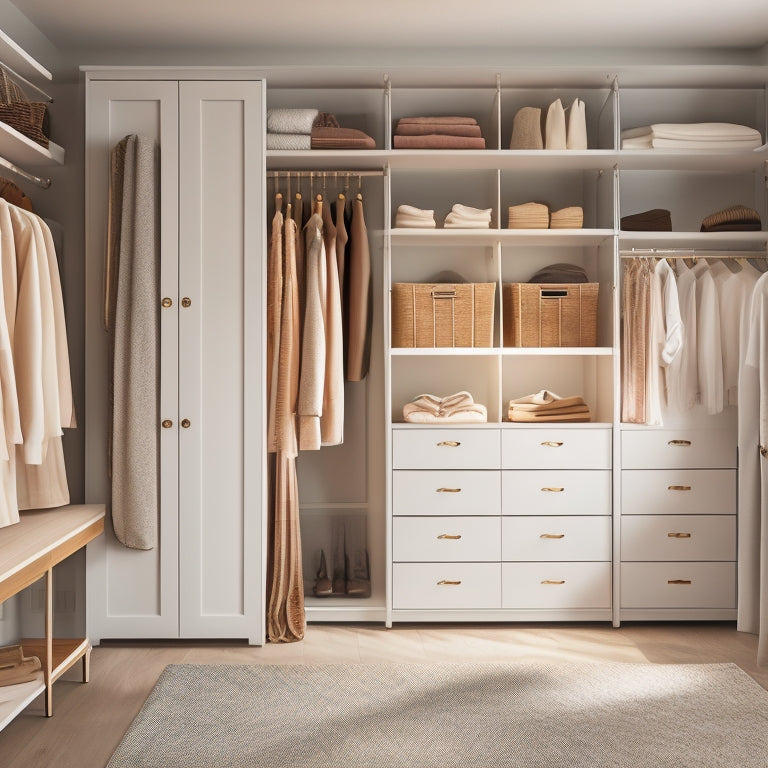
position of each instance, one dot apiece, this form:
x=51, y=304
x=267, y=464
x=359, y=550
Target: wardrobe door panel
x=220, y=371
x=131, y=593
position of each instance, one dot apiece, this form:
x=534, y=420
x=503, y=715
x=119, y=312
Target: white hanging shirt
x=683, y=371
x=709, y=351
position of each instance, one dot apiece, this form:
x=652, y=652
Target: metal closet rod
x=322, y=174
x=687, y=253
x=44, y=183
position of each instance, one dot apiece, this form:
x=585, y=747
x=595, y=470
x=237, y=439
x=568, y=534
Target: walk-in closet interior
x=407, y=340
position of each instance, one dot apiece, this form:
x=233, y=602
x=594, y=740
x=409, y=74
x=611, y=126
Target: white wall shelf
x=15, y=57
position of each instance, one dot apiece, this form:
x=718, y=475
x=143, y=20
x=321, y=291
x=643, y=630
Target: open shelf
x=15, y=57
x=15, y=698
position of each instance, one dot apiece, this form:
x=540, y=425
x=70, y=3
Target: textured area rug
x=450, y=716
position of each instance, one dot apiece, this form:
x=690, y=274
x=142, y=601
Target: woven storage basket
x=550, y=314
x=30, y=118
x=442, y=314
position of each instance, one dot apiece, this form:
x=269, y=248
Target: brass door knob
x=167, y=302
x=186, y=423
x=167, y=423
x=186, y=302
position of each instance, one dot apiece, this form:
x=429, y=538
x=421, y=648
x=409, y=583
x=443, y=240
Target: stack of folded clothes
x=410, y=216
x=735, y=219
x=465, y=217
x=529, y=216
x=571, y=217
x=691, y=136
x=430, y=409
x=655, y=220
x=438, y=133
x=546, y=406
x=328, y=134
x=311, y=129
x=560, y=273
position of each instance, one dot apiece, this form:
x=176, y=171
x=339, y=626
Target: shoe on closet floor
x=358, y=575
x=322, y=583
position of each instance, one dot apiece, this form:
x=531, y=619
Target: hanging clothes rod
x=322, y=174
x=16, y=76
x=687, y=253
x=44, y=183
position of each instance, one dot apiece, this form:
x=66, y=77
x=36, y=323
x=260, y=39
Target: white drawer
x=555, y=585
x=446, y=586
x=678, y=585
x=555, y=448
x=682, y=448
x=450, y=539
x=442, y=492
x=678, y=492
x=556, y=492
x=446, y=448
x=555, y=538
x=678, y=537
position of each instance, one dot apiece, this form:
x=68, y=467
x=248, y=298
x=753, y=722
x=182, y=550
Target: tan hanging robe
x=360, y=300
x=635, y=329
x=274, y=303
x=342, y=240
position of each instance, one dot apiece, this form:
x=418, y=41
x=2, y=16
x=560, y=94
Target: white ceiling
x=426, y=24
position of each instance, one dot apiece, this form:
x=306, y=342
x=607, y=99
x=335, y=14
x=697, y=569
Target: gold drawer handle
x=552, y=536
x=679, y=535
x=167, y=302
x=551, y=443
x=679, y=581
x=678, y=487
x=553, y=490
x=448, y=444
x=684, y=443
x=448, y=490
x=452, y=536
x=553, y=581
x=446, y=582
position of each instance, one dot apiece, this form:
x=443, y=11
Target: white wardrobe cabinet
x=204, y=579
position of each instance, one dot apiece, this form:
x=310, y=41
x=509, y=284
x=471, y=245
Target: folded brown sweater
x=655, y=220
x=434, y=141
x=736, y=218
x=340, y=138
x=444, y=129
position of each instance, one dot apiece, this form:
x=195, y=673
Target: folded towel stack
x=655, y=220
x=465, y=217
x=529, y=216
x=699, y=136
x=312, y=129
x=431, y=409
x=571, y=217
x=560, y=273
x=546, y=406
x=737, y=218
x=438, y=133
x=410, y=216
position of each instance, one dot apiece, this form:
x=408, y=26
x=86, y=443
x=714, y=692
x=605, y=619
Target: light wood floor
x=89, y=720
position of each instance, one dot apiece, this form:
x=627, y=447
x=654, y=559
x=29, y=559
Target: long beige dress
x=360, y=301
x=634, y=338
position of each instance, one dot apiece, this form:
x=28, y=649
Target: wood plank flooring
x=89, y=719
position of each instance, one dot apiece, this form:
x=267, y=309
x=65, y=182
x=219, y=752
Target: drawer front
x=678, y=448
x=446, y=586
x=678, y=585
x=678, y=492
x=678, y=537
x=561, y=538
x=555, y=585
x=440, y=492
x=556, y=492
x=556, y=448
x=449, y=539
x=446, y=448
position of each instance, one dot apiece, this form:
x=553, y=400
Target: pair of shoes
x=358, y=582
x=538, y=216
x=527, y=127
x=322, y=586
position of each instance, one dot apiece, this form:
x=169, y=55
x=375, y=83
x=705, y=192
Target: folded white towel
x=476, y=413
x=411, y=210
x=638, y=142
x=414, y=222
x=718, y=144
x=462, y=223
x=291, y=120
x=703, y=131
x=468, y=212
x=633, y=133
x=289, y=141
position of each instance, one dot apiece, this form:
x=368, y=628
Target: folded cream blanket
x=476, y=415
x=544, y=399
x=743, y=144
x=291, y=120
x=703, y=131
x=289, y=141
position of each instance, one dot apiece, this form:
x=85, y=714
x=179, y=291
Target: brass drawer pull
x=678, y=487
x=448, y=490
x=679, y=581
x=551, y=443
x=167, y=302
x=684, y=443
x=186, y=302
x=453, y=536
x=446, y=582
x=553, y=581
x=448, y=444
x=166, y=423
x=186, y=423
x=552, y=536
x=679, y=535
x=553, y=490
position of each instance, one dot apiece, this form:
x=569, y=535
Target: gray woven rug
x=450, y=716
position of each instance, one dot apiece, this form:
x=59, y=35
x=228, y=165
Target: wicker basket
x=30, y=118
x=442, y=314
x=550, y=315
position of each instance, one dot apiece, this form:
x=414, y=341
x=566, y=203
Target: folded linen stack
x=691, y=136
x=546, y=406
x=571, y=217
x=465, y=217
x=438, y=133
x=290, y=128
x=734, y=219
x=410, y=216
x=17, y=668
x=538, y=216
x=431, y=409
x=328, y=134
